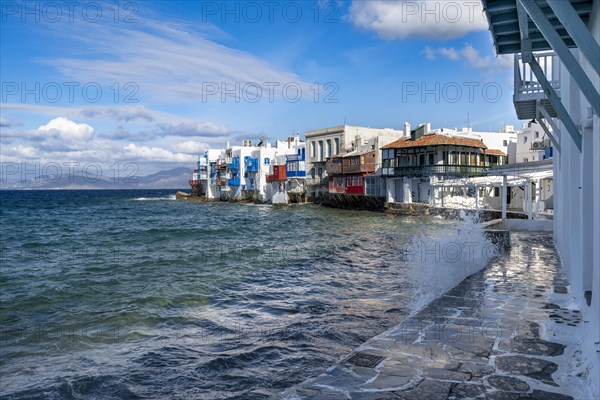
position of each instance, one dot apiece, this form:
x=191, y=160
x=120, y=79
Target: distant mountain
x=176, y=178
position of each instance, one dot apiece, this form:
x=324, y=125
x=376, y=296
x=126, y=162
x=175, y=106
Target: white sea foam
x=170, y=197
x=438, y=264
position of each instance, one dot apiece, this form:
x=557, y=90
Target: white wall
x=577, y=204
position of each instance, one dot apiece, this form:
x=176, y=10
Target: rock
x=508, y=383
x=532, y=367
x=182, y=195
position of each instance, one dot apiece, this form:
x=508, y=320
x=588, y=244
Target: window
x=430, y=158
x=504, y=143
x=337, y=145
x=496, y=192
x=525, y=159
x=328, y=148
x=524, y=139
x=313, y=149
x=321, y=150
x=267, y=161
x=537, y=134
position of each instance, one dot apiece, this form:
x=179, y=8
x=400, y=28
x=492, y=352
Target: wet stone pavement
x=480, y=340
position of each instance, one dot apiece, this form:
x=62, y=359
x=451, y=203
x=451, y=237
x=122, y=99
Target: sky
x=153, y=83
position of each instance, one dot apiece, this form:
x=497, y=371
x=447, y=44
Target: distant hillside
x=176, y=178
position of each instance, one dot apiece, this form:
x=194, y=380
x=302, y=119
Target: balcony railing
x=357, y=168
x=528, y=90
x=295, y=157
x=296, y=174
x=426, y=170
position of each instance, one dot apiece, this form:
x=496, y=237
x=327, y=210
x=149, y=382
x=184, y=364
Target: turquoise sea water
x=130, y=294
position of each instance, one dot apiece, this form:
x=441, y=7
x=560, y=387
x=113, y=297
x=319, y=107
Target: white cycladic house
x=533, y=144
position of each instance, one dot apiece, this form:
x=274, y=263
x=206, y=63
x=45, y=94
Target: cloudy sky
x=154, y=82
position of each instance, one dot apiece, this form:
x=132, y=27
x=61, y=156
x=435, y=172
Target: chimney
x=427, y=127
x=406, y=129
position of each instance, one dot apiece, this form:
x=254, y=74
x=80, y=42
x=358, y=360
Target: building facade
x=323, y=144
x=410, y=163
x=533, y=144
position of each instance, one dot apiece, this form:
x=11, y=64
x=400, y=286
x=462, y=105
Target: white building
x=322, y=144
x=242, y=172
x=504, y=140
x=557, y=81
x=533, y=143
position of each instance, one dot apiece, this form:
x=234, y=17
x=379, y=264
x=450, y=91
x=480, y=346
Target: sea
x=116, y=294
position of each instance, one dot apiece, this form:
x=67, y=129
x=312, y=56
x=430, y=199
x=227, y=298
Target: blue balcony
x=235, y=163
x=251, y=164
x=296, y=174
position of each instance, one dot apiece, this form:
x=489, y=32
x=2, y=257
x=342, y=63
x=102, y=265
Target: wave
x=439, y=264
x=170, y=197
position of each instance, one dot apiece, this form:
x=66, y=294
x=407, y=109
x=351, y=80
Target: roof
x=435, y=140
x=504, y=24
x=495, y=152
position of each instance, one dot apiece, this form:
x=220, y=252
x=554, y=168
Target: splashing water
x=441, y=262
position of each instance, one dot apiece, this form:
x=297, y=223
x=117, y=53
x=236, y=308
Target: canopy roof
x=504, y=24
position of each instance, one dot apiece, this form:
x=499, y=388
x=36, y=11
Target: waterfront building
x=287, y=173
x=242, y=172
x=323, y=144
x=202, y=182
x=410, y=163
x=556, y=82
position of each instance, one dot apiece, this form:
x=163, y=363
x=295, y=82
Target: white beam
x=503, y=194
x=583, y=81
x=538, y=187
x=580, y=34
x=528, y=201
x=560, y=109
x=555, y=134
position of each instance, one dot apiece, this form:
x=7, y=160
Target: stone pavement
x=484, y=339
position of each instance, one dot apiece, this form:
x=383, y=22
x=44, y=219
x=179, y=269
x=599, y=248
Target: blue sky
x=154, y=82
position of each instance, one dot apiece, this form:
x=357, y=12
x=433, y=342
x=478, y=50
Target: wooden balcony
x=360, y=168
x=334, y=166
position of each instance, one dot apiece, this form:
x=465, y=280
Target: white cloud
x=449, y=52
x=472, y=58
x=65, y=129
x=156, y=154
x=168, y=63
x=429, y=54
x=402, y=19
x=190, y=147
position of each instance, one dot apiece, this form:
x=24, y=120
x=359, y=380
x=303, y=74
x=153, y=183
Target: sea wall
x=413, y=209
